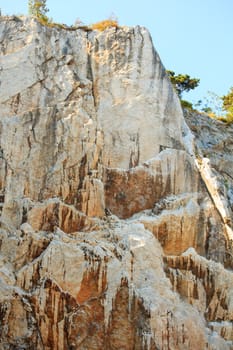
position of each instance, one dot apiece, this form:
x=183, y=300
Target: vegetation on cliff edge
x=220, y=108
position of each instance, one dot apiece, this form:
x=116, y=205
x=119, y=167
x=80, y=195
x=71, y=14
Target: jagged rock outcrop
x=214, y=147
x=115, y=229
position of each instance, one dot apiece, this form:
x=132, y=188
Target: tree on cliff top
x=38, y=9
x=182, y=82
x=228, y=105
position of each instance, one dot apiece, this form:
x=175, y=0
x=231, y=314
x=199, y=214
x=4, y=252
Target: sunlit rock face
x=116, y=226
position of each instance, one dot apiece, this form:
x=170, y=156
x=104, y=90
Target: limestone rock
x=214, y=147
x=116, y=218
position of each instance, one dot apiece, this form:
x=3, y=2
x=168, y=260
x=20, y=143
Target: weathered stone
x=104, y=195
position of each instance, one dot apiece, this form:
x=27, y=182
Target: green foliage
x=38, y=9
x=182, y=82
x=228, y=100
x=227, y=119
x=219, y=108
x=186, y=104
x=211, y=104
x=230, y=118
x=228, y=105
x=207, y=110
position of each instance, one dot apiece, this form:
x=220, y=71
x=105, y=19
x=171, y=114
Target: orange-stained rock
x=54, y=214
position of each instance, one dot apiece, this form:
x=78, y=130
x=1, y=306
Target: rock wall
x=112, y=234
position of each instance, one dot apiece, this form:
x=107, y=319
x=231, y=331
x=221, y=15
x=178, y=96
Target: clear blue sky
x=191, y=36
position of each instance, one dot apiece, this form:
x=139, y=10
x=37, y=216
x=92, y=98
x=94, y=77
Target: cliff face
x=116, y=227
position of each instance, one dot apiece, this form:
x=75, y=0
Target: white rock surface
x=101, y=192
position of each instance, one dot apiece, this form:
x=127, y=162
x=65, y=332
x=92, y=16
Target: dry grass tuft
x=102, y=25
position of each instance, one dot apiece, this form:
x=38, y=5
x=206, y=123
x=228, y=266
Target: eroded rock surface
x=116, y=219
